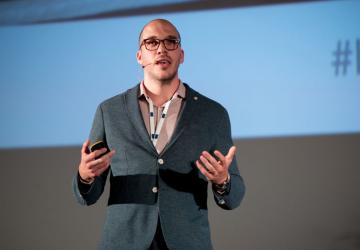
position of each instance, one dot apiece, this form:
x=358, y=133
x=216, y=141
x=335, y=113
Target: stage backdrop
x=288, y=74
x=282, y=70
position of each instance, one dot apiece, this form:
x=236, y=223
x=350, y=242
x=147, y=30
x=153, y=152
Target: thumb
x=230, y=155
x=84, y=149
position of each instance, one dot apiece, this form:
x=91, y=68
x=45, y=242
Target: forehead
x=159, y=29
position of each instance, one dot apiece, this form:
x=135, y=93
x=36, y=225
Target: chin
x=166, y=77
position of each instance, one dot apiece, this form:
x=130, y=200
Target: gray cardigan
x=145, y=184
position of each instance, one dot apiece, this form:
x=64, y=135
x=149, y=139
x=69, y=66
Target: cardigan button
x=160, y=161
x=155, y=190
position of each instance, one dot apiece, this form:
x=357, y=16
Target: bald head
x=159, y=22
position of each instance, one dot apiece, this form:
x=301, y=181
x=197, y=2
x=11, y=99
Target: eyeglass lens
x=153, y=44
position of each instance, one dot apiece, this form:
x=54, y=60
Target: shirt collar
x=180, y=92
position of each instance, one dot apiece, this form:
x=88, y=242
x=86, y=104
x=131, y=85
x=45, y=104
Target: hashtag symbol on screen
x=342, y=57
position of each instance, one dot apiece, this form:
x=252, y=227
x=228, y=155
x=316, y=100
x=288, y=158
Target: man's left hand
x=216, y=171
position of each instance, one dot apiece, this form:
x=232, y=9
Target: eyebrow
x=168, y=37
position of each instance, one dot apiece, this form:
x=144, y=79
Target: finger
x=84, y=148
x=89, y=157
x=106, y=159
x=99, y=169
x=203, y=170
x=220, y=156
x=100, y=152
x=110, y=154
x=209, y=157
x=102, y=163
x=230, y=155
x=93, y=155
x=102, y=169
x=215, y=164
x=210, y=168
x=95, y=163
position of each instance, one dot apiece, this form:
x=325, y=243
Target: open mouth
x=163, y=62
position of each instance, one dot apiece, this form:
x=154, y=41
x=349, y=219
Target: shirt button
x=160, y=161
x=221, y=202
x=154, y=189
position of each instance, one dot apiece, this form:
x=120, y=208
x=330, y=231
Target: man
x=170, y=141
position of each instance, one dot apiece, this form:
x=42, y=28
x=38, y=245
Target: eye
x=152, y=42
x=171, y=41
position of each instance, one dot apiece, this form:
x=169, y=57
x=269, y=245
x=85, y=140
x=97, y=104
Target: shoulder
x=118, y=100
x=205, y=103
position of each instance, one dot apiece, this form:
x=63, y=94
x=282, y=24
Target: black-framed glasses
x=153, y=43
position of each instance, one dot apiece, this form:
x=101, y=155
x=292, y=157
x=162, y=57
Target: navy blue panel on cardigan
x=136, y=189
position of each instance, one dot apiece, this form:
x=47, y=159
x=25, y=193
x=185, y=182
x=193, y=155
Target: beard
x=165, y=78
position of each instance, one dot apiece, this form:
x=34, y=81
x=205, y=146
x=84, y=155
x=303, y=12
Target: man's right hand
x=91, y=166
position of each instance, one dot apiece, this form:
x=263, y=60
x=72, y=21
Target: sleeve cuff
x=224, y=188
x=83, y=186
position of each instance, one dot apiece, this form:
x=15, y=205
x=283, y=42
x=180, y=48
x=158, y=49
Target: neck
x=161, y=92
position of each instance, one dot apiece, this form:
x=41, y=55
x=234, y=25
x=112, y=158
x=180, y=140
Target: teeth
x=163, y=62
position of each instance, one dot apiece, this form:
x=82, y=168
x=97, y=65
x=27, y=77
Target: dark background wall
x=302, y=193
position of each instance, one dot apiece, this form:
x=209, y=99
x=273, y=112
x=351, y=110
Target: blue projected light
x=280, y=70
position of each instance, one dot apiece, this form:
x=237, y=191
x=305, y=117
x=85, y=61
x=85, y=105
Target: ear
x=139, y=57
x=182, y=56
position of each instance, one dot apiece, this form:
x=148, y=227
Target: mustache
x=158, y=60
x=163, y=58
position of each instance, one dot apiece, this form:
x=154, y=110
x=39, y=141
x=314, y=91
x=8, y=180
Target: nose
x=161, y=48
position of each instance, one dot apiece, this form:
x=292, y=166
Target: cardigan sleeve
x=89, y=194
x=235, y=192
